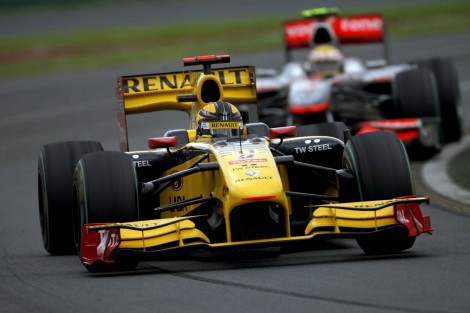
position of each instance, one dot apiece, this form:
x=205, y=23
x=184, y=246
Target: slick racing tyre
x=449, y=97
x=105, y=191
x=380, y=166
x=415, y=94
x=56, y=164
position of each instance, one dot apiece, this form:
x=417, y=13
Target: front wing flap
x=102, y=242
x=371, y=216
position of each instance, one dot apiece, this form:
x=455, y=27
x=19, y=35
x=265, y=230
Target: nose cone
x=248, y=172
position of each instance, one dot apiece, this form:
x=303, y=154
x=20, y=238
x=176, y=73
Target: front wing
x=152, y=239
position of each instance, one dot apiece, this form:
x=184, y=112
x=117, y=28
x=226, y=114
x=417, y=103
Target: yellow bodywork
x=369, y=215
x=247, y=173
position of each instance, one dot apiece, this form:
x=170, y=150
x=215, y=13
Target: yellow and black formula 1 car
x=225, y=183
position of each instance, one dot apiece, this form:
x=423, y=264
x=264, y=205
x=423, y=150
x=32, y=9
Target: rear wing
x=336, y=30
x=186, y=91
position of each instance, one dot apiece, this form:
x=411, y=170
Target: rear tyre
x=415, y=94
x=379, y=163
x=447, y=82
x=56, y=164
x=105, y=191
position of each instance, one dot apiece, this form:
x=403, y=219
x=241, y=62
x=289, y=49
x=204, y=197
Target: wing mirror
x=283, y=132
x=161, y=142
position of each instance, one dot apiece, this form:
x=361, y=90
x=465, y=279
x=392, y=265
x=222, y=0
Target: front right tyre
x=105, y=191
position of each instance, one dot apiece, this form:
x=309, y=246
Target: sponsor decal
x=362, y=24
x=299, y=29
x=138, y=84
x=251, y=166
x=142, y=163
x=241, y=180
x=364, y=28
x=176, y=199
x=313, y=148
x=248, y=161
x=177, y=184
x=221, y=125
x=252, y=173
x=298, y=33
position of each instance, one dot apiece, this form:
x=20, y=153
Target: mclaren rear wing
x=186, y=91
x=337, y=30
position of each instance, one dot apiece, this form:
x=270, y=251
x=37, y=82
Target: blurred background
x=45, y=36
x=59, y=58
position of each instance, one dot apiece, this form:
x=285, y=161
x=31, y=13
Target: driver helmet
x=219, y=119
x=326, y=60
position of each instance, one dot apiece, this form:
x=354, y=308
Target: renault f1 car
x=253, y=188
x=419, y=101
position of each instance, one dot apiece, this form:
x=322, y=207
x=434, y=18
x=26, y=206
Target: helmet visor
x=327, y=68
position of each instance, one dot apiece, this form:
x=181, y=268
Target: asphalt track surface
x=431, y=277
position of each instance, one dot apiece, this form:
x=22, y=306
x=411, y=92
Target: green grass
x=83, y=49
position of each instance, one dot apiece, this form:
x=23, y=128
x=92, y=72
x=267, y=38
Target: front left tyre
x=381, y=170
x=56, y=165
